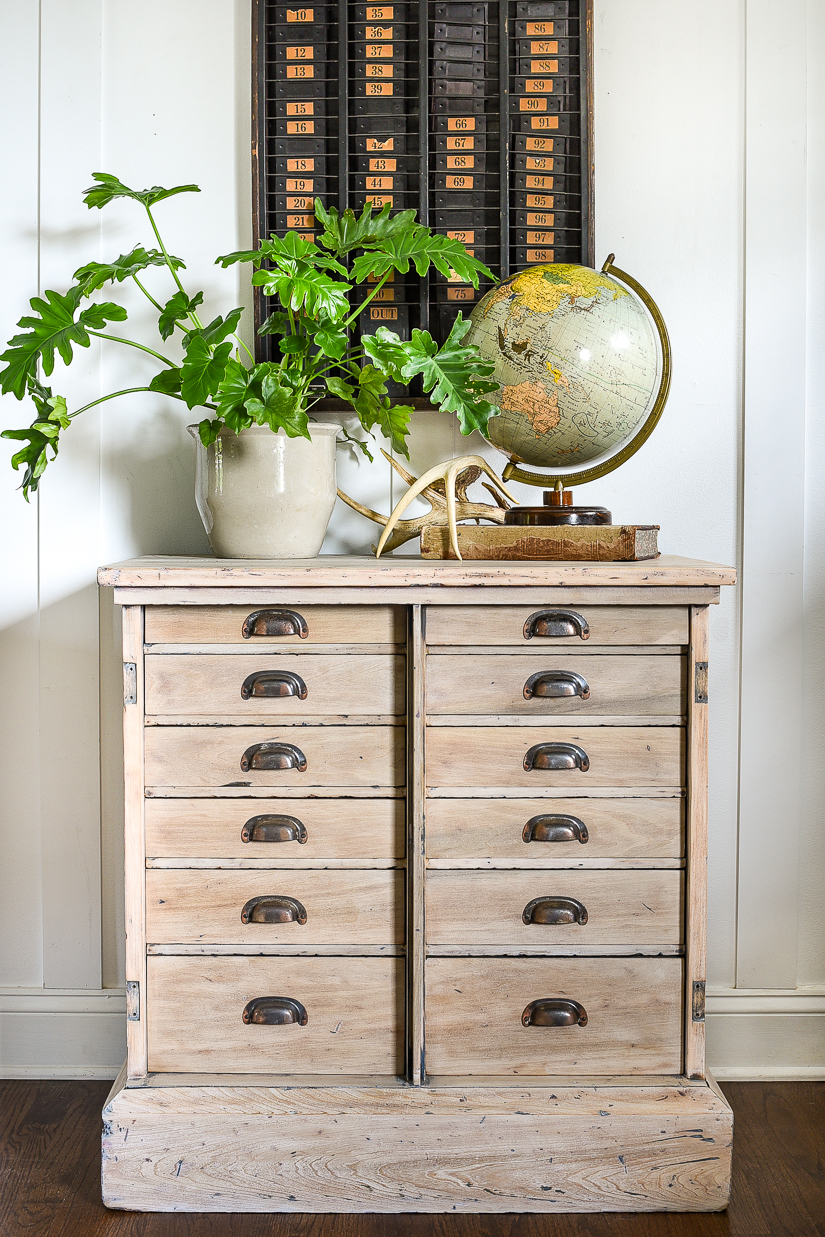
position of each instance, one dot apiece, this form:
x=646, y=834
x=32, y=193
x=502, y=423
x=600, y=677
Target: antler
x=443, y=487
x=446, y=472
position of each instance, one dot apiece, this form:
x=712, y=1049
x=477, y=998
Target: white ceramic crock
x=264, y=495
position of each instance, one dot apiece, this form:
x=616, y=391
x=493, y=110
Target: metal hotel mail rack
x=478, y=116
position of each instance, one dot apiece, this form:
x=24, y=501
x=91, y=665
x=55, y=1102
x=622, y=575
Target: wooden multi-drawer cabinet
x=415, y=888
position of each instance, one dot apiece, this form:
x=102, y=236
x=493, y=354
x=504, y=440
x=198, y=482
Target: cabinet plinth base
x=476, y=1148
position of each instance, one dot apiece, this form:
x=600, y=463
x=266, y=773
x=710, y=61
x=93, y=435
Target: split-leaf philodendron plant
x=316, y=288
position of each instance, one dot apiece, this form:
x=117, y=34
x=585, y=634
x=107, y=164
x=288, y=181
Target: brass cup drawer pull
x=274, y=623
x=553, y=911
x=269, y=683
x=554, y=1012
x=555, y=756
x=556, y=828
x=275, y=1011
x=556, y=683
x=270, y=828
x=274, y=755
x=274, y=908
x=556, y=625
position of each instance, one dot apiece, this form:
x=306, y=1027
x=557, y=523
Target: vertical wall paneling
x=811, y=953
x=70, y=135
x=20, y=925
x=771, y=586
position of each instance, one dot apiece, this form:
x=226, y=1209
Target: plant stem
x=148, y=294
x=118, y=339
x=193, y=316
x=243, y=345
x=132, y=391
x=361, y=308
x=103, y=398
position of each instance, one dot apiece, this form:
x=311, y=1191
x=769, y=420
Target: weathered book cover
x=599, y=543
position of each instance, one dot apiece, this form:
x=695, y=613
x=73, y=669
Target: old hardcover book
x=600, y=543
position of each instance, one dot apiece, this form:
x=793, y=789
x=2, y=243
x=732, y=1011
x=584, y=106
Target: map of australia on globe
x=576, y=361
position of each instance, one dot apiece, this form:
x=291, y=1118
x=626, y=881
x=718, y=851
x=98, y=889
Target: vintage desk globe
x=583, y=362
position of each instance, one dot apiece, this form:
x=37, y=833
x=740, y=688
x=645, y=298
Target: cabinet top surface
x=345, y=571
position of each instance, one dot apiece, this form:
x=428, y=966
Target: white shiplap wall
x=710, y=189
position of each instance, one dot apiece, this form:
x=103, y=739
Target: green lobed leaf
x=455, y=376
x=387, y=350
x=339, y=388
x=276, y=324
x=176, y=309
x=237, y=385
x=208, y=431
x=57, y=327
x=423, y=248
x=289, y=247
x=95, y=274
x=300, y=286
x=216, y=331
x=202, y=371
x=294, y=345
x=278, y=408
x=344, y=232
x=41, y=434
x=167, y=382
x=331, y=341
x=108, y=188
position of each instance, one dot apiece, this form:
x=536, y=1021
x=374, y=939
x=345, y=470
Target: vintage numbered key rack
x=476, y=115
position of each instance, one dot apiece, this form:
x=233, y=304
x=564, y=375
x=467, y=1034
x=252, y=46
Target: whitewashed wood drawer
x=548, y=684
x=556, y=625
x=285, y=685
x=295, y=907
x=542, y=832
x=478, y=1008
x=297, y=757
x=544, y=909
x=547, y=756
x=354, y=1012
x=275, y=623
x=273, y=831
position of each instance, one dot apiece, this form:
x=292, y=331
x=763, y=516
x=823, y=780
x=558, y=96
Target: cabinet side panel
x=135, y=897
x=415, y=849
x=697, y=844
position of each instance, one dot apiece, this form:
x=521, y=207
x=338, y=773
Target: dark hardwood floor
x=50, y=1168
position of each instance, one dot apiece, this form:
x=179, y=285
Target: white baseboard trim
x=766, y=1035
x=753, y=1035
x=62, y=1033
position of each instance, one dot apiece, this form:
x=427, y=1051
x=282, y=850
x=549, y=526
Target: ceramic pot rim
x=316, y=430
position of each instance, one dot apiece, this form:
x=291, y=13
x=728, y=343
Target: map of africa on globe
x=576, y=360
